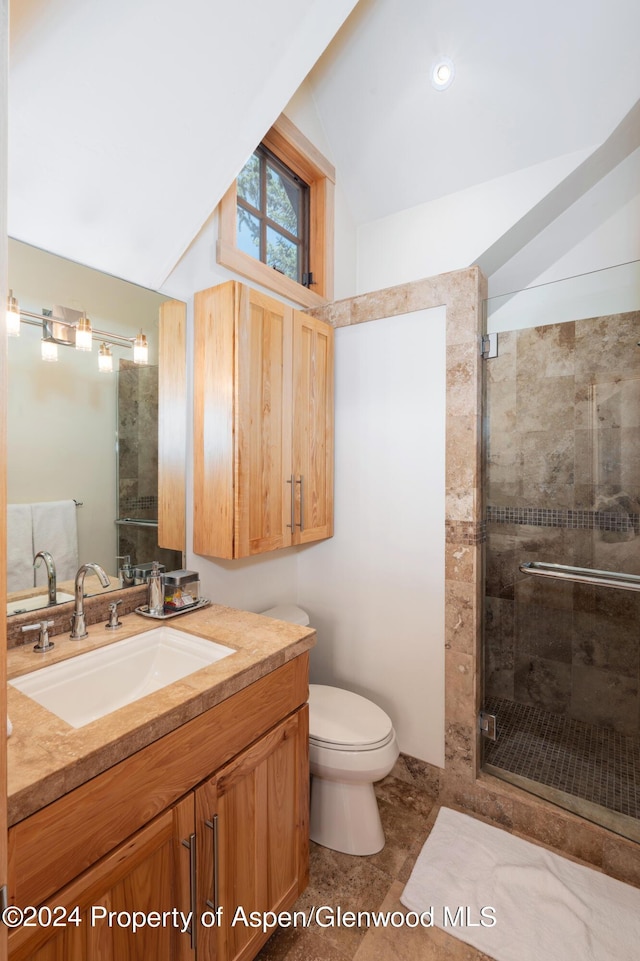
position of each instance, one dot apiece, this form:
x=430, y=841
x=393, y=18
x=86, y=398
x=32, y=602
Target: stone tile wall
x=563, y=451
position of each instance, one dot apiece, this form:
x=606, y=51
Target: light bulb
x=84, y=339
x=48, y=350
x=13, y=316
x=140, y=349
x=105, y=359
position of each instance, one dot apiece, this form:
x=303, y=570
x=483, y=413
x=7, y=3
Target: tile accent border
x=461, y=784
x=465, y=532
x=588, y=520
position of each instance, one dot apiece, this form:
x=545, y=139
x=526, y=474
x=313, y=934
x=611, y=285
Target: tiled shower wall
x=563, y=486
x=138, y=465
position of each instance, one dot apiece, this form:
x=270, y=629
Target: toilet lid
x=343, y=718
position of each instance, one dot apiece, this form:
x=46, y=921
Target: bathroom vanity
x=183, y=806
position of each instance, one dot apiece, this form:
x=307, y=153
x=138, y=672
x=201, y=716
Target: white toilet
x=352, y=744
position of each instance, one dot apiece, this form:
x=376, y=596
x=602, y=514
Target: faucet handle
x=113, y=616
x=44, y=644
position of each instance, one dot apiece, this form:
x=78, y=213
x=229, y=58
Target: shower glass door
x=561, y=671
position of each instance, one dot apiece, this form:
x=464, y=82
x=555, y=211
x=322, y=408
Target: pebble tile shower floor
x=587, y=761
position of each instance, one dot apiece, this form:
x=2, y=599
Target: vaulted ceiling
x=533, y=81
x=130, y=118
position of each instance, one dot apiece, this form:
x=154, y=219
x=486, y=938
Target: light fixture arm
x=44, y=320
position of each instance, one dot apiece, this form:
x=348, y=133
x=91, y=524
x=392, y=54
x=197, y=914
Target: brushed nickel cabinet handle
x=191, y=845
x=213, y=824
x=292, y=525
x=301, y=482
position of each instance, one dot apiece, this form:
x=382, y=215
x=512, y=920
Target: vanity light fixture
x=105, y=359
x=13, y=316
x=442, y=73
x=68, y=327
x=140, y=349
x=84, y=339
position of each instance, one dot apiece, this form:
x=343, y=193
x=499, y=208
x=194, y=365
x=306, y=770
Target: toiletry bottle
x=156, y=590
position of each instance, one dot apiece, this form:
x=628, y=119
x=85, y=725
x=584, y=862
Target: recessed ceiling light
x=442, y=73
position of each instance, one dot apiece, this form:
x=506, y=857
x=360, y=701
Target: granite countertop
x=46, y=757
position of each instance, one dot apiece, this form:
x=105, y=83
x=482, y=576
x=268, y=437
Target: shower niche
x=561, y=666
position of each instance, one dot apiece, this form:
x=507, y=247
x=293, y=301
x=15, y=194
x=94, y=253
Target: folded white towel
x=19, y=547
x=55, y=529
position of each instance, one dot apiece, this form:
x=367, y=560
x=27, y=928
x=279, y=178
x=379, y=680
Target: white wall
x=612, y=290
x=301, y=110
x=375, y=591
x=599, y=230
x=451, y=232
x=584, y=264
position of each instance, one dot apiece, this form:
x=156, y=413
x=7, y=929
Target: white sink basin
x=35, y=603
x=88, y=686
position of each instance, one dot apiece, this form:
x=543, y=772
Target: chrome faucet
x=51, y=572
x=78, y=623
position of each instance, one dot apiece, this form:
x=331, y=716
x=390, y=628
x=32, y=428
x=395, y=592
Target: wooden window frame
x=300, y=238
x=292, y=148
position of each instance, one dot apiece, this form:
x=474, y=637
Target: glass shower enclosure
x=561, y=671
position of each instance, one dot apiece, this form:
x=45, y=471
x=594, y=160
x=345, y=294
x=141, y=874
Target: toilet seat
x=343, y=721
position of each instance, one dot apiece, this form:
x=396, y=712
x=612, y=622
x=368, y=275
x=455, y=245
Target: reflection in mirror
x=82, y=441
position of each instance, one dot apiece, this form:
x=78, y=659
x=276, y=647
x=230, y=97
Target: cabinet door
x=254, y=850
x=263, y=505
x=312, y=441
x=148, y=873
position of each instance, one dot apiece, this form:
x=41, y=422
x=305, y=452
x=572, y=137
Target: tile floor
x=584, y=760
x=371, y=884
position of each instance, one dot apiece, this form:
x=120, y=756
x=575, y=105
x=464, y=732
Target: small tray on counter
x=144, y=610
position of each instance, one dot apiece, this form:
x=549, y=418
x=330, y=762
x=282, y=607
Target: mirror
x=82, y=444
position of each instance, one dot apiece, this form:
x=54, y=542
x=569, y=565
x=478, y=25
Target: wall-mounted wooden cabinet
x=263, y=424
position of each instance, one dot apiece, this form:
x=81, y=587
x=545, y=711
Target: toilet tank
x=288, y=612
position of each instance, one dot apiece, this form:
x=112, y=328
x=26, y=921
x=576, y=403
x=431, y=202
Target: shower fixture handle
x=582, y=575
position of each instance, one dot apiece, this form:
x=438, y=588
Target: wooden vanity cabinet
x=263, y=424
x=238, y=839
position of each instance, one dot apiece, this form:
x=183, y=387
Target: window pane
x=248, y=233
x=249, y=181
x=282, y=254
x=283, y=200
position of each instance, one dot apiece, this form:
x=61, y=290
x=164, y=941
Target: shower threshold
x=589, y=770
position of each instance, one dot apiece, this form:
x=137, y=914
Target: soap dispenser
x=125, y=572
x=156, y=590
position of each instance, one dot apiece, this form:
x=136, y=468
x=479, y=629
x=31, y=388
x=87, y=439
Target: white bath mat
x=516, y=901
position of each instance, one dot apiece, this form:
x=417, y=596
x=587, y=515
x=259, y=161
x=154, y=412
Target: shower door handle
x=582, y=575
